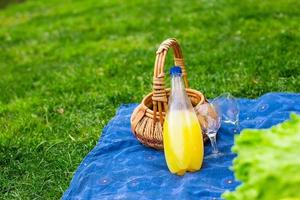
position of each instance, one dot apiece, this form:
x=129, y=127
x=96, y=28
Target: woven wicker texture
x=148, y=118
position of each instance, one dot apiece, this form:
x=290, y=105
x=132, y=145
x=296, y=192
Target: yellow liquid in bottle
x=183, y=142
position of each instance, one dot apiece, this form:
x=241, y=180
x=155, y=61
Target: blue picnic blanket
x=119, y=167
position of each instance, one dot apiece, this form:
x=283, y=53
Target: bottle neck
x=178, y=94
x=178, y=98
x=177, y=83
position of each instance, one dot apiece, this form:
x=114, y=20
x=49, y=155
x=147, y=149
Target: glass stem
x=237, y=125
x=213, y=142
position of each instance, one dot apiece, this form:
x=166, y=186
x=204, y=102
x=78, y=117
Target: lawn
x=66, y=67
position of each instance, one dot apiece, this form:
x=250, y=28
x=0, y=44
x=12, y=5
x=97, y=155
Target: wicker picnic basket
x=147, y=119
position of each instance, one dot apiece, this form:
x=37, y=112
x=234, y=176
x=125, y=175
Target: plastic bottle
x=182, y=134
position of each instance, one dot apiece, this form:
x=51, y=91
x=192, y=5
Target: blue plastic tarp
x=119, y=167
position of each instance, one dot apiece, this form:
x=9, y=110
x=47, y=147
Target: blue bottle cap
x=176, y=70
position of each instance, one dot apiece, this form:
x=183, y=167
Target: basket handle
x=159, y=97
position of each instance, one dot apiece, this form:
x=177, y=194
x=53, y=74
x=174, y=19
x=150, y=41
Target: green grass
x=66, y=67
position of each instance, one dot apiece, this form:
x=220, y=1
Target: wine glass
x=228, y=108
x=210, y=120
x=222, y=109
